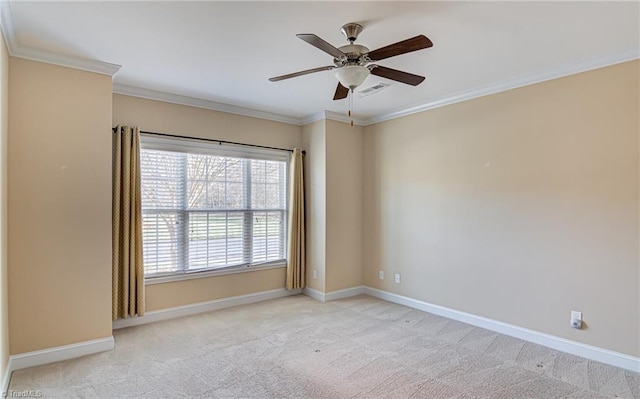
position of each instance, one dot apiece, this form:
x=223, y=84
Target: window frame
x=193, y=146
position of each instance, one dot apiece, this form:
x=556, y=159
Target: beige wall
x=344, y=205
x=161, y=117
x=185, y=292
x=59, y=204
x=315, y=175
x=333, y=190
x=4, y=118
x=520, y=206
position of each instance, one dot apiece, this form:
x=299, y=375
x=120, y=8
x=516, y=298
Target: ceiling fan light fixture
x=352, y=76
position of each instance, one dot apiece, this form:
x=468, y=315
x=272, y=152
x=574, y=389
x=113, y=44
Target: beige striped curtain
x=128, y=270
x=296, y=241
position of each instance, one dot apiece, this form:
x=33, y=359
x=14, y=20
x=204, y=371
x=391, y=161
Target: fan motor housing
x=354, y=54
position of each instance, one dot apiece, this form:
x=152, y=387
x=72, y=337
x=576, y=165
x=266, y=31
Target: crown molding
x=331, y=115
x=16, y=50
x=494, y=88
x=84, y=64
x=150, y=94
x=6, y=25
x=318, y=116
x=341, y=117
x=595, y=63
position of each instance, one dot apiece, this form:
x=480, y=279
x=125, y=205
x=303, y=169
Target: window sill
x=211, y=273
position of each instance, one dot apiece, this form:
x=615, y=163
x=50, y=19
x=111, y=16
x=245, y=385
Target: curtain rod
x=175, y=136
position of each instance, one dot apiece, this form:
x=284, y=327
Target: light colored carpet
x=296, y=347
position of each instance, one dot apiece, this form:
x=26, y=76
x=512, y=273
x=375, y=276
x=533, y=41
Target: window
x=207, y=207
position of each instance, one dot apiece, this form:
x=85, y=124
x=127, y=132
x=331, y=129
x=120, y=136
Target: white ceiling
x=225, y=51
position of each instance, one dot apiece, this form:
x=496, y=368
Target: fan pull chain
x=350, y=107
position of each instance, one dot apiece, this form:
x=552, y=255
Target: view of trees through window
x=203, y=211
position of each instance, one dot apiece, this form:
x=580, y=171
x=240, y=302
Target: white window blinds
x=205, y=207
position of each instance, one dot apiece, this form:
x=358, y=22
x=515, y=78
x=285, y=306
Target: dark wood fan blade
x=321, y=44
x=399, y=76
x=341, y=92
x=308, y=71
x=403, y=47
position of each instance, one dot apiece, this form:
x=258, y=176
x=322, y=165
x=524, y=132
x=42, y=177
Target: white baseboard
x=201, y=307
x=561, y=344
x=333, y=295
x=345, y=293
x=58, y=353
x=315, y=294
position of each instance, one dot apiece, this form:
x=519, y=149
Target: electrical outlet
x=576, y=319
x=397, y=278
x=315, y=274
x=381, y=274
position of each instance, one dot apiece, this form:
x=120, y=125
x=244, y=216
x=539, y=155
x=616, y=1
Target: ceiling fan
x=353, y=62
